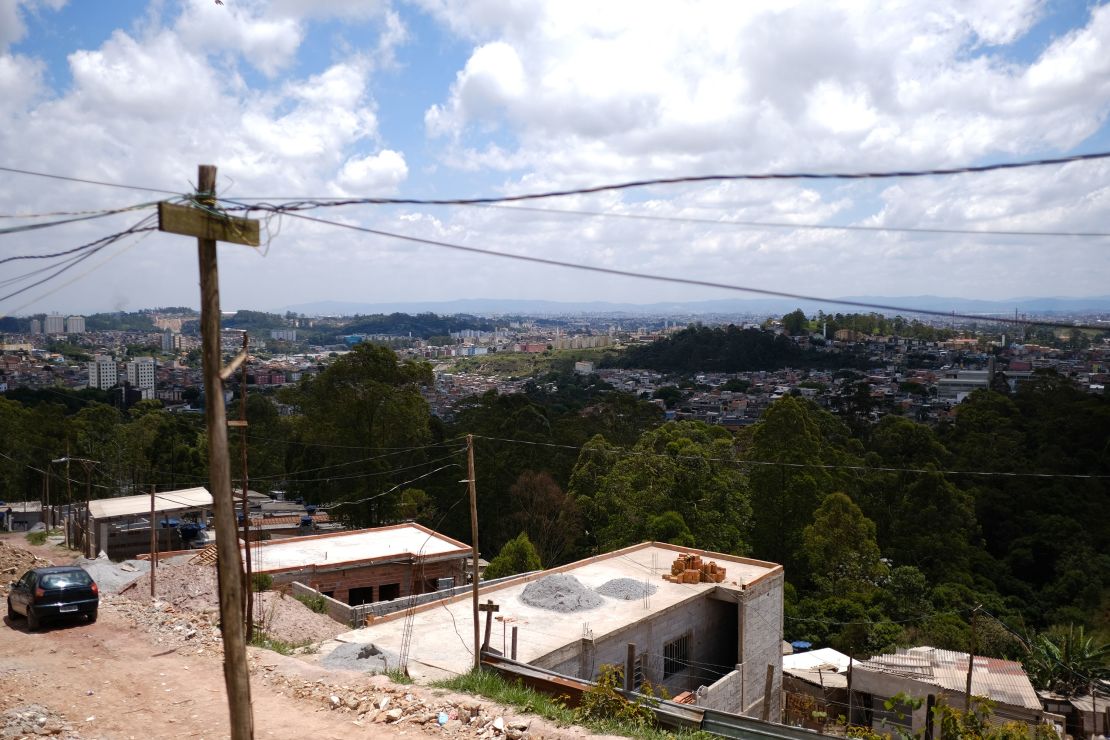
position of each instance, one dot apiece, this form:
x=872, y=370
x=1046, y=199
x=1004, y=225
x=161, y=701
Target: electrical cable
x=17, y=171
x=337, y=504
x=878, y=175
x=802, y=227
x=829, y=466
x=687, y=281
x=74, y=219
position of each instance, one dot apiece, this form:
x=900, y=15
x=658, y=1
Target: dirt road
x=119, y=679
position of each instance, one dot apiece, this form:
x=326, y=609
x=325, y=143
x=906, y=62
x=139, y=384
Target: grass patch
x=261, y=640
x=317, y=604
x=513, y=693
x=37, y=538
x=261, y=582
x=396, y=675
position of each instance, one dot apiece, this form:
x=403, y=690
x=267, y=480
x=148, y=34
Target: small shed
x=120, y=526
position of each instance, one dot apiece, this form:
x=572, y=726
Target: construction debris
x=379, y=702
x=14, y=562
x=34, y=720
x=689, y=568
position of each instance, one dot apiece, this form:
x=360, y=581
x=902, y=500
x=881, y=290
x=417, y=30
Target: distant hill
x=735, y=306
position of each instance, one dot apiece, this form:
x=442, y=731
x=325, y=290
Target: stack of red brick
x=689, y=568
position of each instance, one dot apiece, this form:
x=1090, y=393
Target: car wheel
x=33, y=621
x=92, y=616
x=11, y=610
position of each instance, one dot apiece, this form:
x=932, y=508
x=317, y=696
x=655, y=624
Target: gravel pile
x=357, y=656
x=628, y=589
x=113, y=577
x=560, y=593
x=31, y=720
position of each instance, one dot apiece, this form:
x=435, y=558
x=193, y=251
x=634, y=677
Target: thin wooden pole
x=474, y=543
x=236, y=672
x=153, y=542
x=629, y=667
x=970, y=665
x=513, y=654
x=247, y=586
x=768, y=687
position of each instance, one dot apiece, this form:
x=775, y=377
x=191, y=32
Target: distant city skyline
x=336, y=99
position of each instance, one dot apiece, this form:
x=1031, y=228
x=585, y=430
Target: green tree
x=840, y=547
x=795, y=322
x=518, y=555
x=684, y=467
x=1067, y=661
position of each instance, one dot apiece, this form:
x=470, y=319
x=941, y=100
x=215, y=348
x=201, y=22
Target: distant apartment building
x=54, y=324
x=284, y=335
x=171, y=341
x=103, y=372
x=140, y=372
x=36, y=326
x=75, y=325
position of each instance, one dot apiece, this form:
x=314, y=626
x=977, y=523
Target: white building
x=103, y=372
x=36, y=326
x=54, y=324
x=75, y=325
x=140, y=372
x=285, y=335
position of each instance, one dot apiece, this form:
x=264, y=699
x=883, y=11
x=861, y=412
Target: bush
x=261, y=582
x=37, y=538
x=316, y=603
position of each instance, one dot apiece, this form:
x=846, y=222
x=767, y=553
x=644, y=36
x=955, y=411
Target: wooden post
x=153, y=542
x=90, y=547
x=247, y=586
x=489, y=608
x=69, y=501
x=513, y=653
x=768, y=687
x=236, y=672
x=970, y=665
x=473, y=543
x=629, y=667
x=46, y=497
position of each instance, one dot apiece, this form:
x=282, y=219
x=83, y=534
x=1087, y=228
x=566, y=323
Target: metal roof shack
x=186, y=499
x=924, y=671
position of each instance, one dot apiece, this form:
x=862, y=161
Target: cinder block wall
x=761, y=643
x=340, y=582
x=698, y=617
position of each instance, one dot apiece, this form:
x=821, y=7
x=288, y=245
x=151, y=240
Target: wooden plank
x=190, y=221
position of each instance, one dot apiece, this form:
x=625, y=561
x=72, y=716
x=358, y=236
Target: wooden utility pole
x=474, y=543
x=153, y=542
x=208, y=226
x=242, y=424
x=970, y=664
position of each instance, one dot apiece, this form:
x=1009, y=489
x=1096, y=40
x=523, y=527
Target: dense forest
x=890, y=534
x=729, y=350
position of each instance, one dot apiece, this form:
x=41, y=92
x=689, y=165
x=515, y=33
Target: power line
x=788, y=225
x=682, y=281
x=893, y=174
x=772, y=463
x=85, y=181
x=88, y=216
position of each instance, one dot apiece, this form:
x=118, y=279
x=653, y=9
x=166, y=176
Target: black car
x=60, y=591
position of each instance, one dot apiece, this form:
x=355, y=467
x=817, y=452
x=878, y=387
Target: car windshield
x=66, y=579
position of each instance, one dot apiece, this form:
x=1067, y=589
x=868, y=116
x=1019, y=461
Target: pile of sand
x=560, y=593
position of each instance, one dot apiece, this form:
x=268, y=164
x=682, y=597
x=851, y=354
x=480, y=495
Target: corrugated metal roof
x=1002, y=681
x=186, y=498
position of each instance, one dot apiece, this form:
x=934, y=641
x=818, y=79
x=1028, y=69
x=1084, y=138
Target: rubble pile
x=191, y=632
x=380, y=702
x=34, y=720
x=561, y=593
x=14, y=562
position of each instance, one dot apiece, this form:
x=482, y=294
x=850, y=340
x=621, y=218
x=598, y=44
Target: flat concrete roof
x=442, y=636
x=186, y=498
x=331, y=550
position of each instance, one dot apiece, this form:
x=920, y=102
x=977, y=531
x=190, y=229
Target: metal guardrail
x=746, y=728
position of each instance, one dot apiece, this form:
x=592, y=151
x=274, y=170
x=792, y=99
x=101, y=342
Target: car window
x=28, y=579
x=66, y=579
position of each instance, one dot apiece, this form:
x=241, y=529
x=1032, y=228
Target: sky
x=334, y=99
